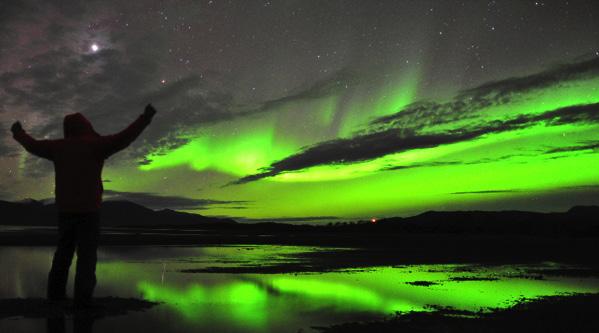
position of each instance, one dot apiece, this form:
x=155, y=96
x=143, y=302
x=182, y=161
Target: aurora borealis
x=311, y=109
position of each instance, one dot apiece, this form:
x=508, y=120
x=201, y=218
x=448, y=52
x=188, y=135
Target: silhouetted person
x=78, y=161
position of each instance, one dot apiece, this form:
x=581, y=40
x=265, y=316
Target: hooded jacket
x=78, y=159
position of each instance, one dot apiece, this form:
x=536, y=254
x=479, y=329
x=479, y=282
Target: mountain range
x=114, y=214
x=579, y=220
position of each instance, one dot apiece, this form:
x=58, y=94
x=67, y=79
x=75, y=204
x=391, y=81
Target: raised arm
x=114, y=143
x=41, y=148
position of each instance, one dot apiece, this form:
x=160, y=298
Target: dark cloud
x=35, y=167
x=331, y=85
x=361, y=148
x=587, y=145
x=62, y=81
x=554, y=200
x=6, y=150
x=111, y=88
x=232, y=207
x=15, y=11
x=300, y=219
x=378, y=144
x=421, y=165
x=156, y=201
x=594, y=187
x=552, y=76
x=445, y=163
x=486, y=192
x=57, y=81
x=467, y=104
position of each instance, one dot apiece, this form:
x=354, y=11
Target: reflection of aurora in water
x=242, y=302
x=379, y=291
x=275, y=302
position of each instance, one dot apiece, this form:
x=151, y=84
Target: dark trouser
x=79, y=231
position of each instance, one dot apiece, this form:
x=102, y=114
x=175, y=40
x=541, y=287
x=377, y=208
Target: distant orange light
x=373, y=220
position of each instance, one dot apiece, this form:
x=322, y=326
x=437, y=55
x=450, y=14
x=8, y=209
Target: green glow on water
x=242, y=302
x=385, y=290
x=323, y=289
x=185, y=301
x=282, y=302
x=341, y=295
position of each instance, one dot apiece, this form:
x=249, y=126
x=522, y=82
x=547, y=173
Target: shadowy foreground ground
x=41, y=308
x=550, y=314
x=579, y=313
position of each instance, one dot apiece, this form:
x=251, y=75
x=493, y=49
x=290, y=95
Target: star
x=94, y=48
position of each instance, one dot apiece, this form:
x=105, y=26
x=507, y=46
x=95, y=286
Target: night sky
x=313, y=110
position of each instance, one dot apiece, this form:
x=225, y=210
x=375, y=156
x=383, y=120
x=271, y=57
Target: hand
x=149, y=111
x=16, y=127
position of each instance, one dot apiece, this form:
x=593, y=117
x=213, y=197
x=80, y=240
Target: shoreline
x=364, y=249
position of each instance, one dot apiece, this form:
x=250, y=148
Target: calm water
x=289, y=302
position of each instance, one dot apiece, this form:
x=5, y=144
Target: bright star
x=94, y=47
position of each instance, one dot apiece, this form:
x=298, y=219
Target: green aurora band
x=510, y=163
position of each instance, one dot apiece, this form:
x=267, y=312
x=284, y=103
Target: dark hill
x=579, y=219
x=114, y=213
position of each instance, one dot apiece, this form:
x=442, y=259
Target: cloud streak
x=331, y=85
x=156, y=201
x=378, y=144
x=587, y=145
x=468, y=103
x=485, y=192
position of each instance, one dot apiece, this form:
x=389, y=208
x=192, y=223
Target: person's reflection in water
x=78, y=161
x=56, y=324
x=83, y=322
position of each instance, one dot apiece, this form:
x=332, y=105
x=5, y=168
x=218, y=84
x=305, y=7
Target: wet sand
x=41, y=308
